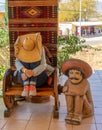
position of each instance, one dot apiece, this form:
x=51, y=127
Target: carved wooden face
x=75, y=76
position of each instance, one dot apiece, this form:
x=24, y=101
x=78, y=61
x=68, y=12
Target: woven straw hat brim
x=29, y=56
x=77, y=63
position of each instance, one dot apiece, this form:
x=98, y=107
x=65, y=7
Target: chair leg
x=56, y=108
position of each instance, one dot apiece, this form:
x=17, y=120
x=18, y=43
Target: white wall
x=65, y=28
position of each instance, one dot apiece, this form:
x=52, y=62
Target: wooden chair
x=12, y=88
x=31, y=17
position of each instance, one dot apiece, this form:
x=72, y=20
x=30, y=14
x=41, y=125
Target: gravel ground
x=92, y=55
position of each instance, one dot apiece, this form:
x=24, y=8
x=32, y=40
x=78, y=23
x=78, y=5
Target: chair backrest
x=30, y=17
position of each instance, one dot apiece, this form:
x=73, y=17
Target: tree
x=6, y=12
x=70, y=11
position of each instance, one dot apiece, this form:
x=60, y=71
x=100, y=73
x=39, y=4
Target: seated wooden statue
x=77, y=90
x=31, y=62
x=34, y=76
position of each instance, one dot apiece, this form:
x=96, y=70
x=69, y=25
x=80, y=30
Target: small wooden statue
x=31, y=63
x=77, y=90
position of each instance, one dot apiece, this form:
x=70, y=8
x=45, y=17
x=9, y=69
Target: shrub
x=2, y=71
x=67, y=46
x=4, y=38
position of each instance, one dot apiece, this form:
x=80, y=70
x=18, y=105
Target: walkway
x=95, y=41
x=30, y=116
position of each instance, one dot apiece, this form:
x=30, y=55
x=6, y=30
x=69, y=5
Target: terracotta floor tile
x=39, y=116
x=2, y=123
x=60, y=126
x=39, y=125
x=84, y=127
x=34, y=116
x=21, y=116
x=15, y=125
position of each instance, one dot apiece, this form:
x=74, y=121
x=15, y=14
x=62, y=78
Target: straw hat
x=84, y=67
x=28, y=48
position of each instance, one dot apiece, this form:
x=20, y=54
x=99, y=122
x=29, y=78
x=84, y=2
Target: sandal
x=76, y=120
x=25, y=91
x=69, y=117
x=32, y=91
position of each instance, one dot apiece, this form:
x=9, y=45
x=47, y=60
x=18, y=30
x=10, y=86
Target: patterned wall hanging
x=31, y=16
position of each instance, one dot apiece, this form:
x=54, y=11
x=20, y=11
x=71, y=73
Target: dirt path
x=92, y=55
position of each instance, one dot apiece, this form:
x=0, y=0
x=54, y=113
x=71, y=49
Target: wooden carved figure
x=77, y=90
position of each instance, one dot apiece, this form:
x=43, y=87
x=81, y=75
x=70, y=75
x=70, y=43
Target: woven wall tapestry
x=31, y=16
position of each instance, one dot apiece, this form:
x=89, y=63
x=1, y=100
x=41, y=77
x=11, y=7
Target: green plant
x=2, y=70
x=67, y=46
x=4, y=38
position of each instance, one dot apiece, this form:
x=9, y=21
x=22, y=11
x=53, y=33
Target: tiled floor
x=31, y=116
